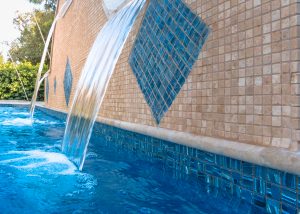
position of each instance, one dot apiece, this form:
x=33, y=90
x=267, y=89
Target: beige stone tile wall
x=243, y=87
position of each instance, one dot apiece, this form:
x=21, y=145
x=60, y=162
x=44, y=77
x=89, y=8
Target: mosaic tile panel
x=47, y=89
x=55, y=85
x=167, y=46
x=68, y=80
x=269, y=190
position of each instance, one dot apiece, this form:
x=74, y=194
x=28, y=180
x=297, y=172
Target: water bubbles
x=87, y=181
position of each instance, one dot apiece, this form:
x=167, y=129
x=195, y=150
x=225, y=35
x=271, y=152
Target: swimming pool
x=120, y=175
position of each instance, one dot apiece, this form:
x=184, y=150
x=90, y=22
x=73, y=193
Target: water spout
x=94, y=80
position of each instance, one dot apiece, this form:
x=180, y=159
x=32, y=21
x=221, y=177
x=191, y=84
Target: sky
x=8, y=11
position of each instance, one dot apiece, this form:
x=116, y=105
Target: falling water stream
x=94, y=80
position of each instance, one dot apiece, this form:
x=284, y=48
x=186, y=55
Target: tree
x=48, y=4
x=29, y=46
x=1, y=59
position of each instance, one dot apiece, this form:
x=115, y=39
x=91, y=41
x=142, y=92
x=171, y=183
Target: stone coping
x=277, y=158
x=19, y=102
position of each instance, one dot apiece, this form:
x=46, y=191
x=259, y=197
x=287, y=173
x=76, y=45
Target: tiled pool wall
x=243, y=86
x=268, y=189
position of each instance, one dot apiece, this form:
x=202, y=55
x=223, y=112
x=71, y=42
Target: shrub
x=10, y=86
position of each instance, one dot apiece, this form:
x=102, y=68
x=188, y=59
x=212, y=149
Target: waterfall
x=94, y=80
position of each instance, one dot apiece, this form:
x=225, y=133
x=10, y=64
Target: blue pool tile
x=274, y=176
x=286, y=209
x=261, y=172
x=260, y=186
x=168, y=44
x=289, y=180
x=259, y=201
x=246, y=194
x=236, y=191
x=235, y=164
x=247, y=182
x=247, y=168
x=273, y=206
x=273, y=191
x=289, y=197
x=236, y=177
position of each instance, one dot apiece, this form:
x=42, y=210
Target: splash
x=26, y=122
x=52, y=162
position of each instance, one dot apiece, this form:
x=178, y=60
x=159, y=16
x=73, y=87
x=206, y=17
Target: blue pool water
x=36, y=178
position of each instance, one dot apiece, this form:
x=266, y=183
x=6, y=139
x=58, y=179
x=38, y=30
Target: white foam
x=26, y=122
x=21, y=113
x=48, y=122
x=17, y=122
x=36, y=158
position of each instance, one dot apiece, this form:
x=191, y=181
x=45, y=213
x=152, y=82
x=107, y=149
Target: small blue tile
x=247, y=168
x=261, y=172
x=274, y=176
x=235, y=164
x=236, y=191
x=260, y=186
x=259, y=201
x=247, y=182
x=273, y=206
x=236, y=177
x=246, y=194
x=289, y=180
x=289, y=197
x=273, y=191
x=286, y=209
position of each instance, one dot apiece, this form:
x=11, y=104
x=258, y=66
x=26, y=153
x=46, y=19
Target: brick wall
x=243, y=87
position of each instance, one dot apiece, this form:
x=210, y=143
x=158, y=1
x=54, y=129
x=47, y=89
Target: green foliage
x=1, y=58
x=29, y=46
x=48, y=4
x=11, y=88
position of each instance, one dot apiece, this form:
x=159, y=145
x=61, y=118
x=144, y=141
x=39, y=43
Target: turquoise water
x=35, y=177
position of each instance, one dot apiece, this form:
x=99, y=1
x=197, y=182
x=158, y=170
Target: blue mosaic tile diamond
x=47, y=89
x=55, y=85
x=167, y=46
x=68, y=79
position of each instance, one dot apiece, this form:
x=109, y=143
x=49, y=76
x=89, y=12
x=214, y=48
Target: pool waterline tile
x=270, y=190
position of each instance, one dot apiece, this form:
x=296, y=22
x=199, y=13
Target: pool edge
x=277, y=158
